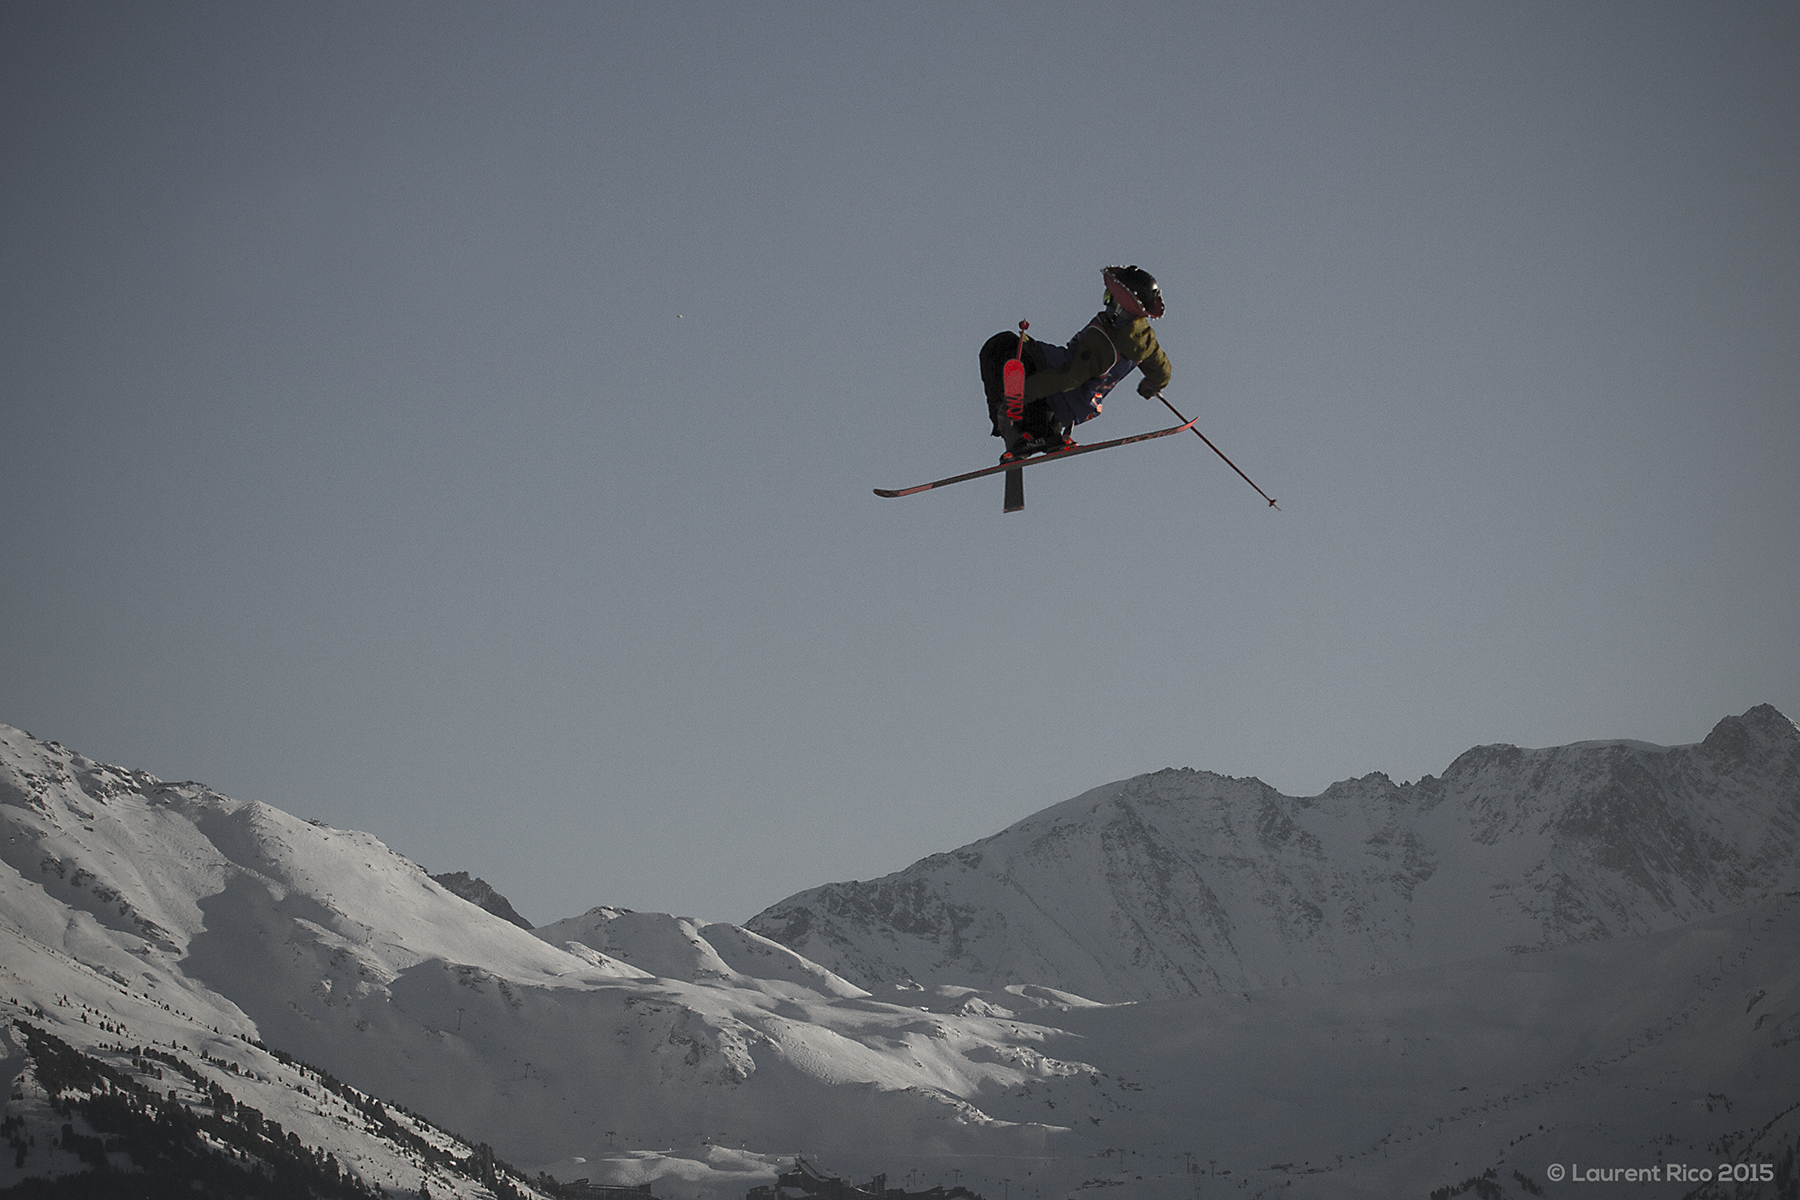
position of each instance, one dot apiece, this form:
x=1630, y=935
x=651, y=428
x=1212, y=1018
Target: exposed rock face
x=1185, y=882
x=481, y=894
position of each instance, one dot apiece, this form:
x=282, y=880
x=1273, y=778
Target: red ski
x=1020, y=464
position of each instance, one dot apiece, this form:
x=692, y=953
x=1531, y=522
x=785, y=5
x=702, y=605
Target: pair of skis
x=1015, y=471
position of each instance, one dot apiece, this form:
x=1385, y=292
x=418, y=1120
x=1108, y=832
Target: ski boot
x=1018, y=441
x=1037, y=433
x=1019, y=447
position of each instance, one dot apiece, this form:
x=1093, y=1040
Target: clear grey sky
x=457, y=421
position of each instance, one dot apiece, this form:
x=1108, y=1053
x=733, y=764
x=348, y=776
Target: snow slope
x=327, y=945
x=1189, y=883
x=1681, y=1046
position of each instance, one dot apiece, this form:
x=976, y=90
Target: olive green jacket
x=1095, y=350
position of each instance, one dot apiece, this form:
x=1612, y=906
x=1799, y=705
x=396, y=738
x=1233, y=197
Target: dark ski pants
x=1062, y=411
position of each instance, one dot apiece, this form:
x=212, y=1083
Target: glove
x=1146, y=389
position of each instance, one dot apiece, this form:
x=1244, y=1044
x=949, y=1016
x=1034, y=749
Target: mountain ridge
x=1214, y=883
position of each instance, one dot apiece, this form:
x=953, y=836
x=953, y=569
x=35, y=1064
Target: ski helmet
x=1134, y=290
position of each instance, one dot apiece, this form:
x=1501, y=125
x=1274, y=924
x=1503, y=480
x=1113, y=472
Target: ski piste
x=1020, y=464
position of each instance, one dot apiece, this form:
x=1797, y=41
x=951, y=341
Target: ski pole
x=1220, y=453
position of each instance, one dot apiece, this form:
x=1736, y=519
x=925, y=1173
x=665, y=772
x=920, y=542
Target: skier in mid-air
x=1065, y=385
x=1037, y=392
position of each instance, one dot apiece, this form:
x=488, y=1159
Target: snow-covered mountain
x=1189, y=883
x=270, y=995
x=137, y=913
